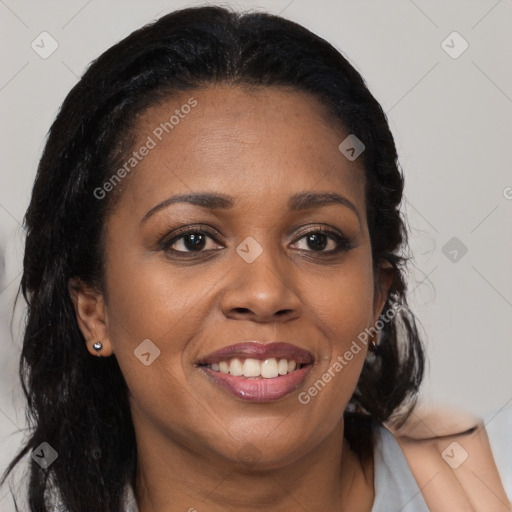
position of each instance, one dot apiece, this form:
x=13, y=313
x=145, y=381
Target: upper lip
x=259, y=350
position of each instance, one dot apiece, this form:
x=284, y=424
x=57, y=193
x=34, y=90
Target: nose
x=262, y=291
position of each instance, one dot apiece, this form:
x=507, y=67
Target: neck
x=329, y=477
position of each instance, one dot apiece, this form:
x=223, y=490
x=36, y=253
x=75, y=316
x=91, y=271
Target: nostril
x=242, y=310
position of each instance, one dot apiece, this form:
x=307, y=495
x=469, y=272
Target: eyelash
x=343, y=244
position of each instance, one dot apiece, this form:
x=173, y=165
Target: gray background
x=451, y=118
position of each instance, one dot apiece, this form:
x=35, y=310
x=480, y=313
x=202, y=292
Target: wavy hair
x=78, y=403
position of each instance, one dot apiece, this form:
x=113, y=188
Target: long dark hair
x=79, y=404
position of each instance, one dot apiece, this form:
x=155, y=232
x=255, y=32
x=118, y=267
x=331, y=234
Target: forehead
x=249, y=140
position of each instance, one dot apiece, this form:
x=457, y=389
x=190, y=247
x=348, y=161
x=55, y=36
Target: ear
x=383, y=279
x=91, y=316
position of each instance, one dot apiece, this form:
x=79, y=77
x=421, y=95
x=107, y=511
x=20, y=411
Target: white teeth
x=252, y=368
x=282, y=367
x=268, y=369
x=236, y=368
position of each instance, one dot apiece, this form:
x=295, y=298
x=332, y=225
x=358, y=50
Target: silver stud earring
x=374, y=348
x=98, y=346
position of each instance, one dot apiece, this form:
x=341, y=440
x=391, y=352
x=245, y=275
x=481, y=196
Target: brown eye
x=191, y=241
x=317, y=241
x=323, y=241
x=194, y=241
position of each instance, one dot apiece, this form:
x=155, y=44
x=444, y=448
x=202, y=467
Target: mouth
x=258, y=372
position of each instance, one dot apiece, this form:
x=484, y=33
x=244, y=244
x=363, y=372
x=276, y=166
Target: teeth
x=236, y=368
x=268, y=369
x=282, y=367
x=252, y=368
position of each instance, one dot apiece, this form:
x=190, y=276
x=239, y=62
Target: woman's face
x=259, y=270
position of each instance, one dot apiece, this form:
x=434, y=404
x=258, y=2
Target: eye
x=192, y=240
x=202, y=240
x=323, y=241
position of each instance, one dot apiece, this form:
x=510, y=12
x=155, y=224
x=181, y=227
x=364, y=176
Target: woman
x=217, y=309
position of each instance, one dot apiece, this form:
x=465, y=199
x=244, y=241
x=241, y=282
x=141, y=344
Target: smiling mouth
x=258, y=372
x=256, y=369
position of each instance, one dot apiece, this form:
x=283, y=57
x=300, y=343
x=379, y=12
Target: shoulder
x=450, y=457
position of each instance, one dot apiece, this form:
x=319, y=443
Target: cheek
x=168, y=312
x=343, y=301
x=167, y=307
x=344, y=309
x=151, y=299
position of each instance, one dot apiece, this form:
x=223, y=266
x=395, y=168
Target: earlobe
x=91, y=315
x=384, y=279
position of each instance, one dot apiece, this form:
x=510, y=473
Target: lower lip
x=259, y=390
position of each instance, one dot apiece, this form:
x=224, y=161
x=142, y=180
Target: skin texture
x=260, y=147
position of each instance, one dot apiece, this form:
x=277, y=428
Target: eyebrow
x=306, y=200
x=206, y=200
x=300, y=201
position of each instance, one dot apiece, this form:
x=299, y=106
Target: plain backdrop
x=450, y=110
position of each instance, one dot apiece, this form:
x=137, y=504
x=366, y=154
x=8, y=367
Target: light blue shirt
x=396, y=489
